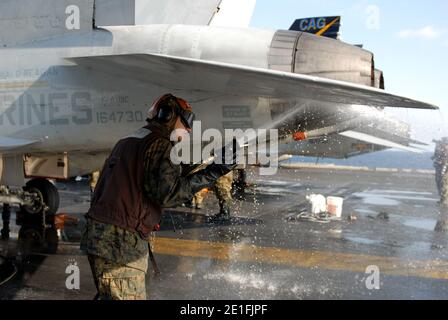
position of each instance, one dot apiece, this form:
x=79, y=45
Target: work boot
x=442, y=226
x=222, y=216
x=199, y=206
x=189, y=204
x=5, y=234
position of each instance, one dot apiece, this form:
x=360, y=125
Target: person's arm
x=164, y=182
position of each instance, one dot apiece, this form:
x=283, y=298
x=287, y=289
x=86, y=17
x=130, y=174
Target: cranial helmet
x=168, y=107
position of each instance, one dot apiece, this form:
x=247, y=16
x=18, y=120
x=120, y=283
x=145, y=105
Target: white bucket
x=318, y=203
x=334, y=206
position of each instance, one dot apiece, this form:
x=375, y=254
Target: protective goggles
x=187, y=117
x=184, y=110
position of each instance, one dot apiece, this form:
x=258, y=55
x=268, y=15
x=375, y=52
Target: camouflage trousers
x=198, y=198
x=441, y=171
x=442, y=184
x=94, y=180
x=223, y=189
x=117, y=282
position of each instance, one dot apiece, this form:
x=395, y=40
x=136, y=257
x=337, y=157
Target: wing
x=342, y=146
x=378, y=134
x=199, y=75
x=371, y=132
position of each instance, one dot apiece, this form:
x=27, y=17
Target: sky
x=408, y=38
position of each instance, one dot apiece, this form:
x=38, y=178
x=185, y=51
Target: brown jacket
x=119, y=197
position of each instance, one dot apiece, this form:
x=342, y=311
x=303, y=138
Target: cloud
x=428, y=32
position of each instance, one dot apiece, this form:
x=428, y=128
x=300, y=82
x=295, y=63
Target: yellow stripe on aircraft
x=21, y=84
x=328, y=26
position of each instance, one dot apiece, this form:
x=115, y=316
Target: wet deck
x=267, y=253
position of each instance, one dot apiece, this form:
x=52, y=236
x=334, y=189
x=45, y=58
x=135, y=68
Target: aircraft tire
x=49, y=194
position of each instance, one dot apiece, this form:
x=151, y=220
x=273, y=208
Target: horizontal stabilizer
x=378, y=141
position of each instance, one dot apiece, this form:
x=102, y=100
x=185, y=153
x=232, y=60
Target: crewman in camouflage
x=119, y=261
x=93, y=181
x=198, y=199
x=440, y=159
x=137, y=182
x=223, y=192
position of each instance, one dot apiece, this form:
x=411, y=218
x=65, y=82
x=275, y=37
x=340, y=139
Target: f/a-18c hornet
x=77, y=75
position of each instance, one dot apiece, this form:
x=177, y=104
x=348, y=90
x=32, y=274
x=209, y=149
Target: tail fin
x=145, y=12
x=321, y=26
x=22, y=21
x=229, y=13
x=233, y=13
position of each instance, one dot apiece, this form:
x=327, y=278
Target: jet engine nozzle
x=308, y=54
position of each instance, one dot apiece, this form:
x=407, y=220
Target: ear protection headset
x=167, y=110
x=169, y=107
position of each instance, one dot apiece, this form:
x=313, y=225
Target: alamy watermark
x=73, y=21
x=373, y=21
x=373, y=281
x=254, y=147
x=72, y=281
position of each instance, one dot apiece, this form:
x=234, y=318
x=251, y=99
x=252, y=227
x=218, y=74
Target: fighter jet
x=77, y=75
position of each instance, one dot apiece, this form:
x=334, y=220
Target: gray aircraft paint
x=61, y=106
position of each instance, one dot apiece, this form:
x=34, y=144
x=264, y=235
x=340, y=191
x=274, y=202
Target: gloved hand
x=228, y=154
x=208, y=175
x=227, y=157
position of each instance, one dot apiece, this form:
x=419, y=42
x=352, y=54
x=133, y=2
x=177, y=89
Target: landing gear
x=39, y=202
x=6, y=217
x=45, y=205
x=37, y=216
x=34, y=238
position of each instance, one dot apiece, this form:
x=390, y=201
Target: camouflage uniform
x=94, y=180
x=441, y=166
x=223, y=191
x=442, y=181
x=119, y=258
x=198, y=198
